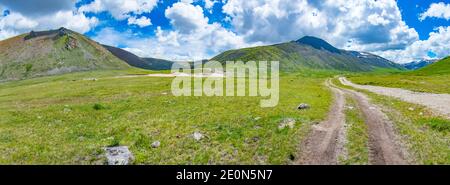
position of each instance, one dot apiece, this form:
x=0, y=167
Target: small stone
x=289, y=122
x=197, y=136
x=257, y=118
x=411, y=109
x=303, y=106
x=67, y=110
x=156, y=144
x=421, y=113
x=118, y=155
x=350, y=107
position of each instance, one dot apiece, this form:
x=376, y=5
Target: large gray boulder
x=118, y=155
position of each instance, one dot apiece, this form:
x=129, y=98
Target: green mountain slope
x=309, y=53
x=441, y=67
x=135, y=61
x=52, y=52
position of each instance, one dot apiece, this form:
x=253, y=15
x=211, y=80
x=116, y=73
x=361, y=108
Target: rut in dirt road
x=440, y=103
x=326, y=140
x=385, y=146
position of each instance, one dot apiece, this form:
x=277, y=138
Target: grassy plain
x=69, y=119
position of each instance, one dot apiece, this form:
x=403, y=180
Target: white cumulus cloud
x=141, y=22
x=437, y=10
x=368, y=25
x=437, y=43
x=192, y=39
x=120, y=9
x=15, y=23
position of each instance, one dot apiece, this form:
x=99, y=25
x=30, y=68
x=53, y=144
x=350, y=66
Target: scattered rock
x=197, y=136
x=118, y=155
x=81, y=138
x=91, y=79
x=67, y=110
x=292, y=157
x=289, y=122
x=71, y=43
x=303, y=106
x=156, y=144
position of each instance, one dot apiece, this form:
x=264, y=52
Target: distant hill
x=52, y=52
x=135, y=61
x=441, y=67
x=418, y=64
x=311, y=53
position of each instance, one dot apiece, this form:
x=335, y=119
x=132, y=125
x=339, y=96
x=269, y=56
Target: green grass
x=431, y=84
x=357, y=135
x=441, y=67
x=69, y=119
x=433, y=78
x=425, y=134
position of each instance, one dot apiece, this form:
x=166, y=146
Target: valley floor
x=70, y=119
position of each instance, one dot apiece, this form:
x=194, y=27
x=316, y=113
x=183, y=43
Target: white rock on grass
x=289, y=122
x=303, y=106
x=156, y=144
x=197, y=136
x=118, y=155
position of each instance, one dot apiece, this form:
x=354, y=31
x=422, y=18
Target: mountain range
x=310, y=52
x=440, y=67
x=62, y=50
x=135, y=61
x=418, y=64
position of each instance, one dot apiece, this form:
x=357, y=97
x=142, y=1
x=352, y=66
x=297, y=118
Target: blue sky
x=401, y=31
x=411, y=9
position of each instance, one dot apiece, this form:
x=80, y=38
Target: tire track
x=326, y=140
x=385, y=146
x=325, y=143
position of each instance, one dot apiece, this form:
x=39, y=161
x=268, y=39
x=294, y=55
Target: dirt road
x=439, y=103
x=385, y=146
x=326, y=140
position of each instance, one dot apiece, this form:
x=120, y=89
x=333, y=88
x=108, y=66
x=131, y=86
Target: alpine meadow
x=149, y=82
